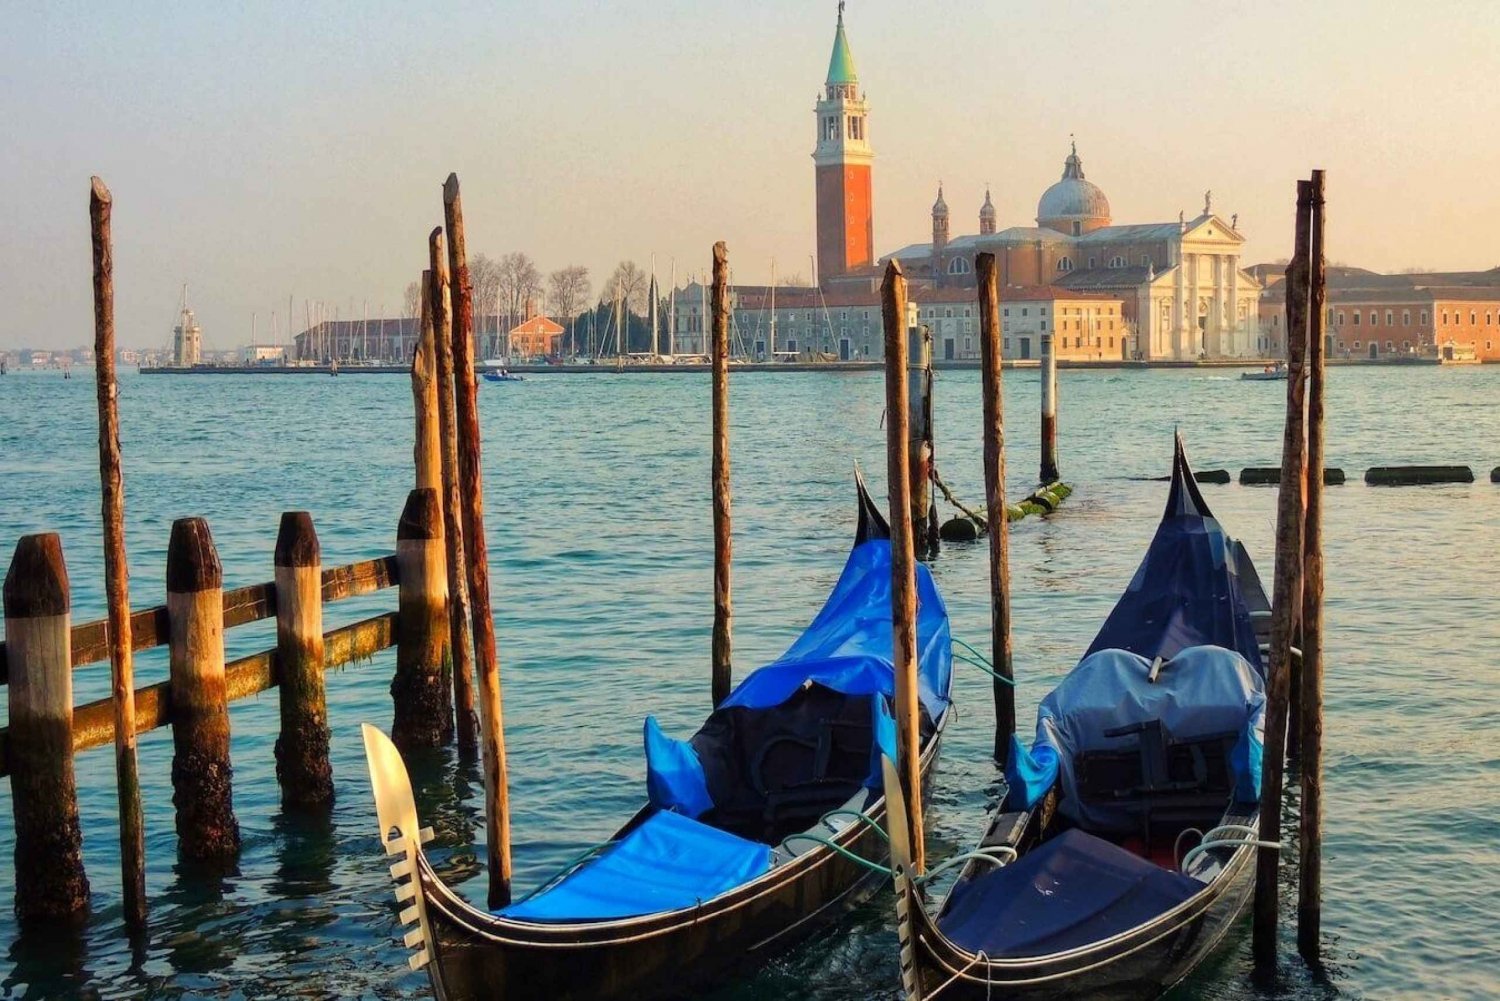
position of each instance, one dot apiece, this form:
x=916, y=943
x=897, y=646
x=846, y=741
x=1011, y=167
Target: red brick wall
x=846, y=220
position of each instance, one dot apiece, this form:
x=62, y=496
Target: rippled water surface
x=598, y=512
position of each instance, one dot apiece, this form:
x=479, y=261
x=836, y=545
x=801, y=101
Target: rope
x=978, y=855
x=979, y=957
x=1206, y=844
x=981, y=663
x=859, y=817
x=837, y=848
x=973, y=516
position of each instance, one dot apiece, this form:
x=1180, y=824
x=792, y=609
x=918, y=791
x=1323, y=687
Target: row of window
x=1355, y=317
x=855, y=127
x=1065, y=264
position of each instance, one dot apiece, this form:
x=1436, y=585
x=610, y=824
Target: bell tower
x=842, y=159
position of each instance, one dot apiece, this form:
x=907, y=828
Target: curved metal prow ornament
x=402, y=836
x=906, y=894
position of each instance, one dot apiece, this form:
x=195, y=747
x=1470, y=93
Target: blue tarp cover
x=1065, y=893
x=668, y=863
x=674, y=775
x=848, y=645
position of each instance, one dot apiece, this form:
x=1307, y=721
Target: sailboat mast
x=771, y=353
x=703, y=320
x=651, y=308
x=672, y=314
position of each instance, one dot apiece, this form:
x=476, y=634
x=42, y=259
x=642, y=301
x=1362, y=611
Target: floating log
x=903, y=551
x=1286, y=603
x=51, y=885
x=201, y=771
x=1049, y=471
x=423, y=714
x=722, y=667
x=1408, y=476
x=302, y=766
x=960, y=529
x=1310, y=708
x=476, y=552
x=1495, y=475
x=993, y=434
x=1270, y=476
x=116, y=569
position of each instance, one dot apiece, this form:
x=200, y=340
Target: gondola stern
x=402, y=837
x=872, y=523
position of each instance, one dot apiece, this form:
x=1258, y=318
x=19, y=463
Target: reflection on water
x=601, y=541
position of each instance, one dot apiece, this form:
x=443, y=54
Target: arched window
x=1145, y=260
x=1117, y=261
x=959, y=266
x=1064, y=264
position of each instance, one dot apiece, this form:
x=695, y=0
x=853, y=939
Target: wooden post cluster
x=476, y=552
x=1049, y=473
x=201, y=772
x=51, y=885
x=302, y=766
x=116, y=569
x=994, y=496
x=1310, y=871
x=903, y=552
x=1286, y=601
x=423, y=712
x=723, y=544
x=920, y=444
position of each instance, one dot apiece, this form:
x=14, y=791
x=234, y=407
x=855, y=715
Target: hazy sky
x=298, y=149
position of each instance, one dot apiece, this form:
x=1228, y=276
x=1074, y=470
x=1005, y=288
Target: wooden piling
x=201, y=771
x=1049, y=472
x=903, y=552
x=1286, y=601
x=919, y=444
x=476, y=552
x=116, y=570
x=460, y=649
x=302, y=766
x=423, y=714
x=723, y=542
x=990, y=383
x=51, y=885
x=428, y=450
x=1310, y=840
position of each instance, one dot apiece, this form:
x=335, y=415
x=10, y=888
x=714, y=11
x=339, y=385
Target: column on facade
x=1194, y=337
x=1179, y=311
x=1237, y=343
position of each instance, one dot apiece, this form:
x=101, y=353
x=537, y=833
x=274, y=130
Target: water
x=598, y=509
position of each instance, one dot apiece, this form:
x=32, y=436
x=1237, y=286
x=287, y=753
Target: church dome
x=940, y=207
x=1073, y=205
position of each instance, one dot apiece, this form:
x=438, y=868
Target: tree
x=629, y=283
x=793, y=280
x=413, y=300
x=568, y=290
x=519, y=282
x=484, y=277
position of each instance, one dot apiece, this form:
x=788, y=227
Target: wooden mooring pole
x=116, y=570
x=302, y=765
x=460, y=649
x=423, y=714
x=428, y=450
x=51, y=885
x=903, y=552
x=1310, y=840
x=1286, y=601
x=723, y=542
x=1049, y=473
x=919, y=444
x=994, y=498
x=201, y=772
x=486, y=657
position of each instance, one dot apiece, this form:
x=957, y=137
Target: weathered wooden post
x=994, y=497
x=1286, y=600
x=903, y=552
x=51, y=885
x=1310, y=843
x=428, y=450
x=423, y=715
x=919, y=435
x=460, y=649
x=1049, y=472
x=116, y=571
x=302, y=765
x=476, y=552
x=723, y=543
x=201, y=772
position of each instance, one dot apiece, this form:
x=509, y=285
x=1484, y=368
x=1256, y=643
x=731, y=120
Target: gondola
x=739, y=852
x=1124, y=848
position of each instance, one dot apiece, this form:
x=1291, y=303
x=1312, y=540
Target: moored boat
x=1275, y=372
x=1124, y=849
x=743, y=848
x=501, y=375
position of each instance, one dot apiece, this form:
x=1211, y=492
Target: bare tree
x=519, y=282
x=793, y=280
x=484, y=277
x=413, y=299
x=568, y=290
x=628, y=282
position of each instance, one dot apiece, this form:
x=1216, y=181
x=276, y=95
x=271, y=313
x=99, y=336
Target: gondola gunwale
x=443, y=903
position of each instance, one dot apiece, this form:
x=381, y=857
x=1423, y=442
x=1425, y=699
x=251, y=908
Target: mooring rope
x=981, y=662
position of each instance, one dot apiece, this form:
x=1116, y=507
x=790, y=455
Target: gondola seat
x=1065, y=893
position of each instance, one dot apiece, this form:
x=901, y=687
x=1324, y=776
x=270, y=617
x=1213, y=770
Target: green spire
x=841, y=65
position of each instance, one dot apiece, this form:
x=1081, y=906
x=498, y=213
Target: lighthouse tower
x=846, y=222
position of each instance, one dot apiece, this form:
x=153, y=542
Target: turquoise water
x=598, y=512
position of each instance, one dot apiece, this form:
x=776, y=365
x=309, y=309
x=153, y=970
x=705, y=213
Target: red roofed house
x=535, y=338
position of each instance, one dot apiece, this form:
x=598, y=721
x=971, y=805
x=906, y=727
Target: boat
x=1453, y=353
x=1124, y=848
x=501, y=375
x=752, y=837
x=1275, y=372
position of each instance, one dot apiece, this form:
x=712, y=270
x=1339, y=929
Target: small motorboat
x=1271, y=373
x=758, y=831
x=1125, y=846
x=501, y=375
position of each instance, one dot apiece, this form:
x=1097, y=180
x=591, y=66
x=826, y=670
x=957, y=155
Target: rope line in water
x=981, y=662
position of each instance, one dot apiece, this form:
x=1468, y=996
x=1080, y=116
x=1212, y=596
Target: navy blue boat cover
x=1065, y=893
x=674, y=860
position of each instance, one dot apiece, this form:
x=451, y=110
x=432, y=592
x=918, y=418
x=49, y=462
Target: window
x=831, y=127
x=1025, y=310
x=1406, y=345
x=1117, y=261
x=1390, y=318
x=1390, y=345
x=1093, y=262
x=1424, y=317
x=1044, y=311
x=1063, y=263
x=1356, y=345
x=1044, y=324
x=1145, y=260
x=1356, y=317
x=1077, y=229
x=1005, y=344
x=1005, y=312
x=1374, y=318
x=948, y=313
x=968, y=344
x=959, y=266
x=1445, y=317
x=1341, y=318
x=1406, y=317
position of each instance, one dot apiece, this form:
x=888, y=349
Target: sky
x=264, y=150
